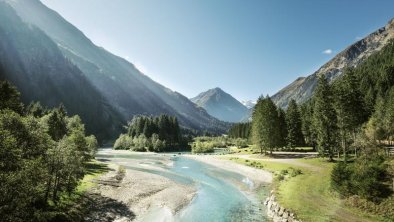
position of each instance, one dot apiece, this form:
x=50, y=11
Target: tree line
x=43, y=153
x=240, y=130
x=351, y=118
x=272, y=127
x=149, y=133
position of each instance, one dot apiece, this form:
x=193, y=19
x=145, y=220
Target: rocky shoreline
x=277, y=212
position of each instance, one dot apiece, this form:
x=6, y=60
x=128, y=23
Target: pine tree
x=265, y=125
x=324, y=119
x=294, y=126
x=10, y=97
x=349, y=106
x=282, y=128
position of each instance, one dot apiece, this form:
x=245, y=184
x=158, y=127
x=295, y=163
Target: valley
x=91, y=134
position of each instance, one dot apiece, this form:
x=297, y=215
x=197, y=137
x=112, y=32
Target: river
x=221, y=195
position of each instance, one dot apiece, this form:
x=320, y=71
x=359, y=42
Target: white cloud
x=327, y=51
x=358, y=38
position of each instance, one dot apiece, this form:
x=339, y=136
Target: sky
x=248, y=48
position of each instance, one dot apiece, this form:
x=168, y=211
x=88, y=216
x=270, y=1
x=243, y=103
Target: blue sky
x=246, y=47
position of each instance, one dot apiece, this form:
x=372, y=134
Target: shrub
x=202, y=147
x=294, y=172
x=366, y=178
x=284, y=172
x=124, y=142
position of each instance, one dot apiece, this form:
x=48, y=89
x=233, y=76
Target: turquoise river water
x=221, y=195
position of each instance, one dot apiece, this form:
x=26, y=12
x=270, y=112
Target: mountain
x=302, y=88
x=33, y=62
x=221, y=105
x=127, y=90
x=248, y=103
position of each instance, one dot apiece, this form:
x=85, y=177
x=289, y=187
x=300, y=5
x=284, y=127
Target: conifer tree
x=265, y=124
x=282, y=128
x=324, y=119
x=294, y=126
x=349, y=106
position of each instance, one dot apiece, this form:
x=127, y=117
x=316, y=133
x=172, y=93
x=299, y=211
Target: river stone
x=277, y=208
x=285, y=214
x=277, y=218
x=269, y=204
x=281, y=211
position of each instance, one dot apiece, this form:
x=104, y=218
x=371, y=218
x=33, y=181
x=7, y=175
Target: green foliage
x=10, y=97
x=240, y=130
x=340, y=178
x=265, y=125
x=36, y=109
x=325, y=119
x=307, y=123
x=40, y=158
x=294, y=126
x=282, y=125
x=203, y=147
x=124, y=142
x=349, y=107
x=147, y=133
x=365, y=177
x=207, y=144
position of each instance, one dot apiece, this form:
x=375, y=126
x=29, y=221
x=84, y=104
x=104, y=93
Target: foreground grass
x=308, y=194
x=94, y=169
x=72, y=207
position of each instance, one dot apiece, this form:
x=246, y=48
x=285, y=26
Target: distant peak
x=216, y=89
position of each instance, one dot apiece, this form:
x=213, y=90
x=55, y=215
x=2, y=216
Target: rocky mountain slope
x=221, y=105
x=302, y=88
x=127, y=90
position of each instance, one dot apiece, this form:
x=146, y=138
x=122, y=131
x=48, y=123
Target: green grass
x=273, y=167
x=73, y=206
x=94, y=169
x=247, y=150
x=308, y=194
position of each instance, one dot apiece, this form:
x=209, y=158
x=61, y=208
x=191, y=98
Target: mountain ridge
x=221, y=105
x=31, y=60
x=128, y=90
x=302, y=88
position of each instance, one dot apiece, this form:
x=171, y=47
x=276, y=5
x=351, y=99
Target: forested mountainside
x=34, y=63
x=127, y=90
x=302, y=88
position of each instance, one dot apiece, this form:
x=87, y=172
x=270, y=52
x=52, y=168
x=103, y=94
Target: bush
x=202, y=147
x=124, y=142
x=284, y=172
x=366, y=178
x=294, y=172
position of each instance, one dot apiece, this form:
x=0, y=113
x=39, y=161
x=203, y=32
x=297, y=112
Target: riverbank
x=307, y=194
x=147, y=196
x=163, y=187
x=258, y=176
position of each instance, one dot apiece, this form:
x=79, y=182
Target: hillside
x=302, y=88
x=34, y=63
x=126, y=89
